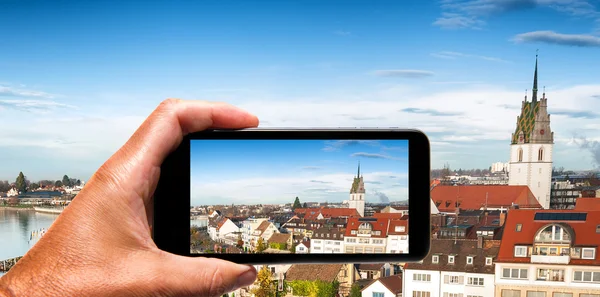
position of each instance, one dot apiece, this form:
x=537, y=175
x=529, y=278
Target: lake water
x=16, y=227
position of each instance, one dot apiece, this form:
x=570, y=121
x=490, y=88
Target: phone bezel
x=172, y=195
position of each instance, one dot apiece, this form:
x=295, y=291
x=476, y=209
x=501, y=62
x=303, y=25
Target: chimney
x=479, y=242
x=502, y=218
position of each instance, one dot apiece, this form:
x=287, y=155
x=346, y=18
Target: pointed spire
x=525, y=95
x=544, y=94
x=358, y=174
x=535, y=78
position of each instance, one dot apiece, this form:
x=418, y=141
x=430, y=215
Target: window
x=520, y=251
x=421, y=294
x=454, y=279
x=520, y=153
x=446, y=294
x=553, y=233
x=422, y=277
x=450, y=259
x=540, y=170
x=536, y=294
x=469, y=260
x=562, y=295
x=519, y=227
x=475, y=281
x=353, y=232
x=598, y=229
x=541, y=156
x=514, y=273
x=435, y=259
x=488, y=261
x=400, y=229
x=377, y=241
x=551, y=275
x=511, y=293
x=378, y=294
x=588, y=253
x=586, y=276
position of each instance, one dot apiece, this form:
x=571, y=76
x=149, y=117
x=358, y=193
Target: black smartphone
x=266, y=196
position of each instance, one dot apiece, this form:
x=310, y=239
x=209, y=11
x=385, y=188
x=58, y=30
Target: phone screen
x=299, y=196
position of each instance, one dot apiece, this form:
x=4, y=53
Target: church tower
x=531, y=146
x=357, y=194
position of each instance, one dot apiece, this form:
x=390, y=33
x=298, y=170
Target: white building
x=248, y=227
x=357, y=194
x=531, y=147
x=12, y=193
x=390, y=286
x=464, y=268
x=397, y=239
x=500, y=167
x=303, y=247
x=549, y=254
x=222, y=228
x=327, y=240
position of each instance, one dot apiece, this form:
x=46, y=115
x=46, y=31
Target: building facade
x=549, y=254
x=531, y=147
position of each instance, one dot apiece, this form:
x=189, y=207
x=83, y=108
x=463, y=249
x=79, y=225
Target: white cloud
x=19, y=92
x=310, y=187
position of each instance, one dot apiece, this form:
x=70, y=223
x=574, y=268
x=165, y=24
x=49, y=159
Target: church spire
x=535, y=76
x=358, y=174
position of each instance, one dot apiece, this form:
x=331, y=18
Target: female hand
x=101, y=244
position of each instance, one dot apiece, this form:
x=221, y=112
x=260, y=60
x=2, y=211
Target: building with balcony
x=549, y=253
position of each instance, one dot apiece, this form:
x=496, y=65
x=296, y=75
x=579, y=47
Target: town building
x=500, y=167
x=549, y=253
x=357, y=194
x=532, y=146
x=327, y=240
x=303, y=247
x=453, y=268
x=366, y=235
x=390, y=286
x=223, y=229
x=397, y=239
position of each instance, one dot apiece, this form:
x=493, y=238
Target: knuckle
x=169, y=103
x=218, y=286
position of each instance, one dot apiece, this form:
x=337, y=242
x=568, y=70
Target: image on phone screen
x=299, y=196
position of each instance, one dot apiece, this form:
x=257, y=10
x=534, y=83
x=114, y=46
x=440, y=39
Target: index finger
x=138, y=161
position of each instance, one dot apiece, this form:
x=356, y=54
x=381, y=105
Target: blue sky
x=277, y=171
x=78, y=77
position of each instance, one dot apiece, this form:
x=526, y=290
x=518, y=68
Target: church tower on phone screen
x=531, y=146
x=357, y=194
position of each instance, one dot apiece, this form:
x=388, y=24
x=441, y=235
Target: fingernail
x=246, y=278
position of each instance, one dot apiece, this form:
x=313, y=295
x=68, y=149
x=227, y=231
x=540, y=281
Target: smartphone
x=267, y=196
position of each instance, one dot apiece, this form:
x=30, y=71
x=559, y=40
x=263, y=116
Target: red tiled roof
x=390, y=215
x=474, y=197
x=397, y=223
x=392, y=283
x=313, y=213
x=585, y=233
x=312, y=272
x=378, y=224
x=587, y=204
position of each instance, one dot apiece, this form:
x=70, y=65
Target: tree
x=66, y=181
x=296, y=204
x=58, y=183
x=78, y=183
x=355, y=291
x=264, y=283
x=445, y=174
x=260, y=245
x=20, y=183
x=305, y=205
x=33, y=186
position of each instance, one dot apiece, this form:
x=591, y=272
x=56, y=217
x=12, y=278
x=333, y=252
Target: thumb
x=198, y=276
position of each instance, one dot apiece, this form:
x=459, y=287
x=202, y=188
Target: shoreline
x=17, y=208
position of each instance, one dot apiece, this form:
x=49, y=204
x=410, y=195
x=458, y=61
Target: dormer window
x=519, y=227
x=488, y=261
x=588, y=253
x=520, y=251
x=435, y=259
x=450, y=259
x=469, y=260
x=553, y=233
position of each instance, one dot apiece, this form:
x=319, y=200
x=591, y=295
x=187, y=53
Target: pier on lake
x=6, y=265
